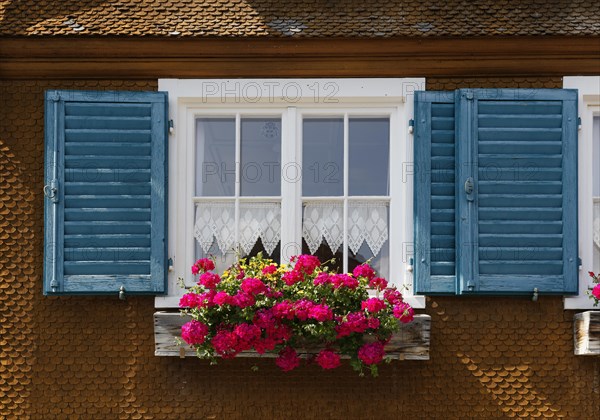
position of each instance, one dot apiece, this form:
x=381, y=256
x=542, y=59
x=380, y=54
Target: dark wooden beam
x=151, y=58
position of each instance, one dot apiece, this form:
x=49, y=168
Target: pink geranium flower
x=596, y=291
x=404, y=312
x=373, y=305
x=209, y=280
x=364, y=270
x=194, y=332
x=371, y=353
x=288, y=359
x=328, y=359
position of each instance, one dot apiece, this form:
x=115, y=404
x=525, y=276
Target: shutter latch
x=469, y=188
x=411, y=126
x=122, y=293
x=535, y=295
x=51, y=190
x=171, y=127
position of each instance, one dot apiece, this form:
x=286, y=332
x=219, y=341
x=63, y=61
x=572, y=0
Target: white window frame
x=589, y=107
x=292, y=98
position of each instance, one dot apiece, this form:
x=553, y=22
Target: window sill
x=410, y=343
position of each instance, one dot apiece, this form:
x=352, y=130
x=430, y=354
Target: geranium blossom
x=328, y=359
x=209, y=280
x=203, y=265
x=194, y=332
x=371, y=353
x=373, y=305
x=258, y=305
x=378, y=283
x=404, y=312
x=253, y=286
x=288, y=359
x=364, y=270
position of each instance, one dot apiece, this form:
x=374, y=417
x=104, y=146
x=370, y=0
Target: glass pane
x=261, y=157
x=596, y=191
x=322, y=157
x=215, y=157
x=368, y=171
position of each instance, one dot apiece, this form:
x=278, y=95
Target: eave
x=151, y=58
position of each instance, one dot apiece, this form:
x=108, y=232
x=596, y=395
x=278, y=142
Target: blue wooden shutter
x=434, y=186
x=105, y=187
x=518, y=226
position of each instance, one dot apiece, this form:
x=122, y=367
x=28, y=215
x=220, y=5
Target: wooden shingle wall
x=93, y=357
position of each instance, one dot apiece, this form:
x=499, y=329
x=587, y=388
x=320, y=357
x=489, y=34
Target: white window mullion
x=346, y=177
x=291, y=188
x=238, y=177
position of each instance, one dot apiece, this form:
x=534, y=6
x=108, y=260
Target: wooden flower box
x=586, y=332
x=410, y=343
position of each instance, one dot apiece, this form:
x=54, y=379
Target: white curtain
x=367, y=222
x=216, y=221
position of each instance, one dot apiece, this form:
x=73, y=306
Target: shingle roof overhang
x=144, y=58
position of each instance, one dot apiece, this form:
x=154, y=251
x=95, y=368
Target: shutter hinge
x=579, y=263
x=411, y=126
x=578, y=123
x=170, y=264
x=171, y=127
x=122, y=293
x=55, y=96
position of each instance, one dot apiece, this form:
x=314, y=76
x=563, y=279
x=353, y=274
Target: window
x=291, y=166
x=588, y=184
x=496, y=203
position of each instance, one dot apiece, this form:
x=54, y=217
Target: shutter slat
x=104, y=240
x=108, y=136
x=522, y=120
x=108, y=254
x=107, y=149
x=523, y=200
x=108, y=162
x=107, y=201
x=111, y=213
x=107, y=109
x=519, y=239
x=519, y=253
x=106, y=267
x=107, y=122
x=515, y=268
x=520, y=187
x=515, y=226
x=517, y=135
x=517, y=213
x=518, y=147
x=100, y=175
x=116, y=215
x=108, y=188
x=86, y=228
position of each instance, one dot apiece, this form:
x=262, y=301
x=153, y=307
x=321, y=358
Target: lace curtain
x=216, y=221
x=367, y=222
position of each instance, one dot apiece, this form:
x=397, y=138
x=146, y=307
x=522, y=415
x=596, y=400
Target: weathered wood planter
x=410, y=343
x=586, y=332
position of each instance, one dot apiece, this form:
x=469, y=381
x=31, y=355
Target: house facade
x=73, y=351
